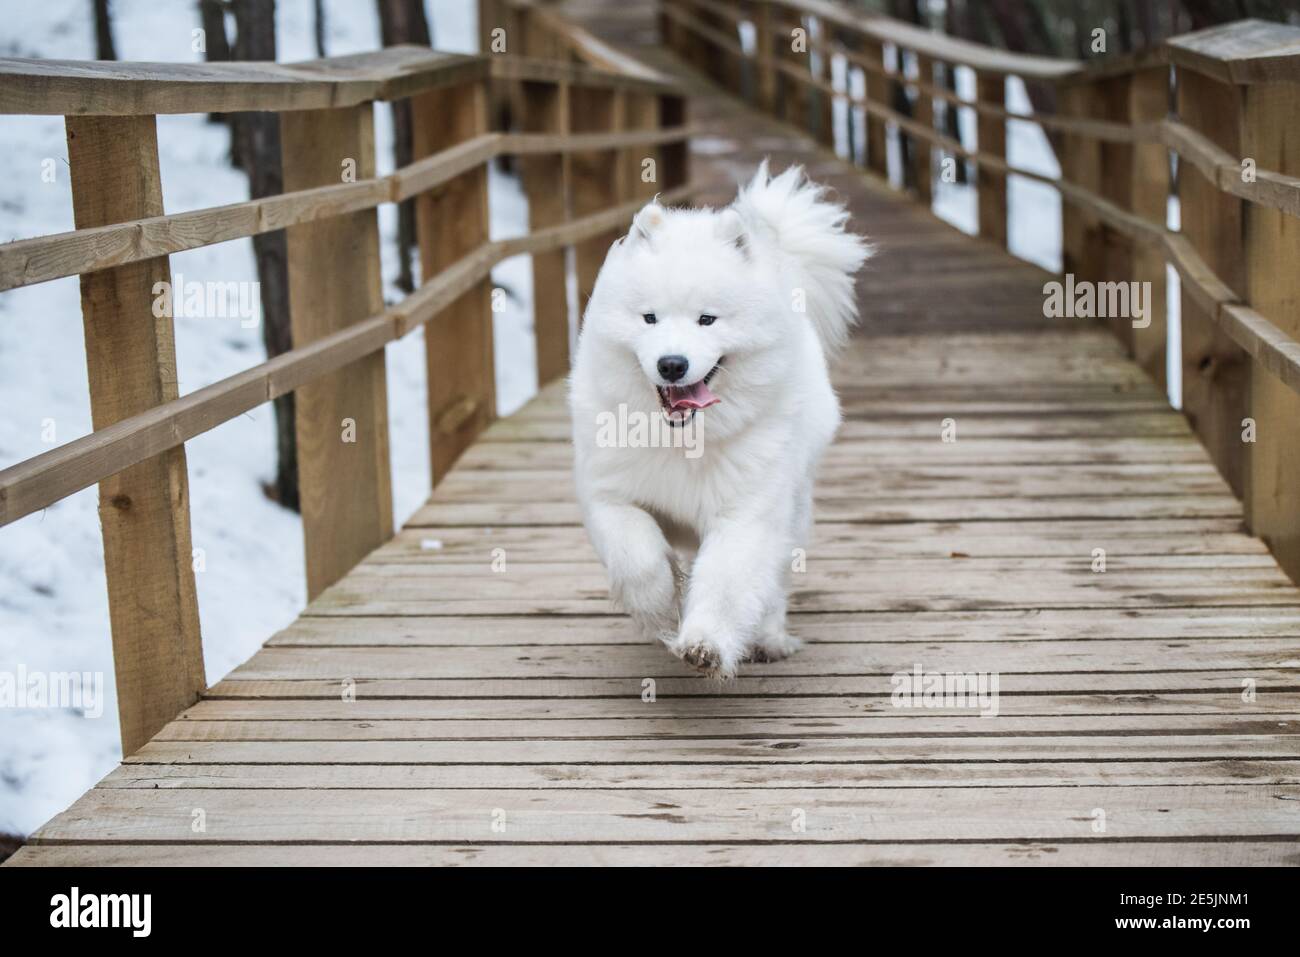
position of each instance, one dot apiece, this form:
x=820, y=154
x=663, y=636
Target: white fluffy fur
x=698, y=550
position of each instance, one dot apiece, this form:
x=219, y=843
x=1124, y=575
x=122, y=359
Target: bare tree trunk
x=216, y=48
x=257, y=151
x=403, y=21
x=104, y=49
x=319, y=21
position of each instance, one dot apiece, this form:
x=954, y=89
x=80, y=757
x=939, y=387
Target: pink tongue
x=695, y=396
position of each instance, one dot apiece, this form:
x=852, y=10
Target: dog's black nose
x=673, y=368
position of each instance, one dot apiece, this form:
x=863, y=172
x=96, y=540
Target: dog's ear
x=647, y=222
x=728, y=227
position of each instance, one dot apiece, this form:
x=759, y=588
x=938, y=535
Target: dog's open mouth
x=680, y=402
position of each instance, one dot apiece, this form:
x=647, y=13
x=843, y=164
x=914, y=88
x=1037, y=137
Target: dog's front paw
x=710, y=651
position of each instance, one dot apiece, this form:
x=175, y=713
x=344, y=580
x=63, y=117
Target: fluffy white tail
x=792, y=212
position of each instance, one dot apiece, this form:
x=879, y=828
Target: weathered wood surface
x=427, y=697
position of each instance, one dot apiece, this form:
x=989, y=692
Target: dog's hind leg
x=773, y=642
x=643, y=579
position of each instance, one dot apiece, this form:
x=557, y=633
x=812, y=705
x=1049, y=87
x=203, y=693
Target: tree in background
x=104, y=49
x=404, y=21
x=256, y=142
x=216, y=47
x=318, y=9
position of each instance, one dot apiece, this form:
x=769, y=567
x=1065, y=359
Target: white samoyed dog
x=701, y=404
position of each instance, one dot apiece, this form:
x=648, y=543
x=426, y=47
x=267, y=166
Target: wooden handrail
x=110, y=88
x=25, y=262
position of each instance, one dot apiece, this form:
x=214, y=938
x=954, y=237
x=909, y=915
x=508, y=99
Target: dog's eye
x=649, y=318
x=707, y=320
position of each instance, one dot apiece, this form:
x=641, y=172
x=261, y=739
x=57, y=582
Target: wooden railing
x=1238, y=94
x=581, y=134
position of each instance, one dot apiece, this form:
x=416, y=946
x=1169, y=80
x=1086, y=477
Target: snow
x=53, y=604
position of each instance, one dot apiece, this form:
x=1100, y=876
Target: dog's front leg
x=736, y=581
x=639, y=562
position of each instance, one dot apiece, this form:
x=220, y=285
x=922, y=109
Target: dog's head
x=686, y=295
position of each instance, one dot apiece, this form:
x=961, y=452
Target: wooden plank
x=580, y=816
x=1272, y=244
x=875, y=661
x=993, y=453
x=923, y=153
x=450, y=223
x=685, y=709
x=342, y=416
x=81, y=88
x=546, y=108
x=751, y=681
x=713, y=752
x=1120, y=425
x=828, y=585
x=849, y=481
x=812, y=706
x=560, y=543
x=991, y=132
x=1242, y=853
x=1216, y=372
x=867, y=509
x=131, y=366
x=1186, y=626
x=670, y=728
x=141, y=777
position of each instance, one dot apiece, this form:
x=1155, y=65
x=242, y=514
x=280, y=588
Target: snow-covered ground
x=53, y=604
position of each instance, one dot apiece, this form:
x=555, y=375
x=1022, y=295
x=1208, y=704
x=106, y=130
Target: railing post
x=823, y=100
x=546, y=180
x=131, y=365
x=595, y=178
x=1082, y=251
x=640, y=112
x=992, y=141
x=452, y=222
x=1272, y=249
x=674, y=158
x=792, y=93
x=1216, y=372
x=877, y=92
x=765, y=72
x=334, y=281
x=723, y=64
x=923, y=154
x=1138, y=180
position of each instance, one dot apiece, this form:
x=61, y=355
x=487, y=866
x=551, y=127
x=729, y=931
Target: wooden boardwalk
x=467, y=695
